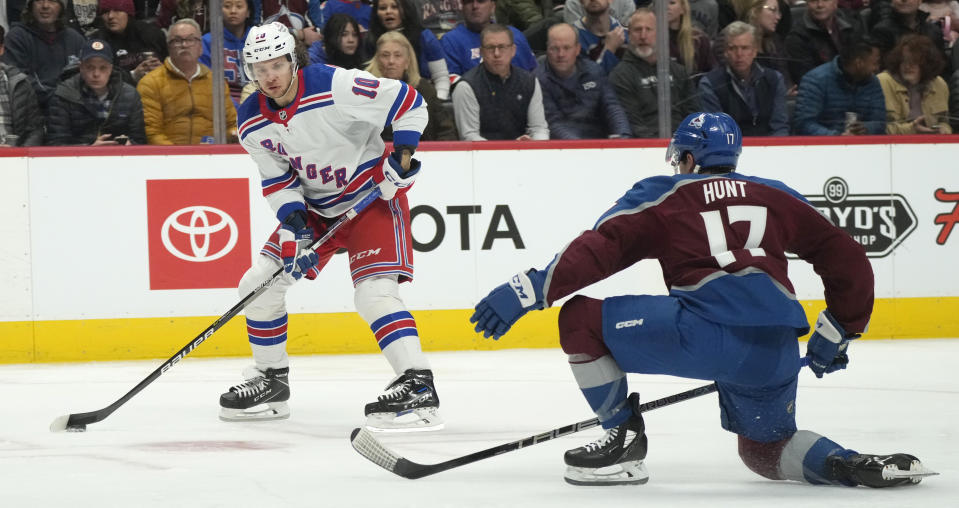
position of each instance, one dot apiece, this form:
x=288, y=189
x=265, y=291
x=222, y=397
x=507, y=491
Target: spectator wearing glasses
x=178, y=97
x=496, y=99
x=462, y=44
x=766, y=16
x=95, y=106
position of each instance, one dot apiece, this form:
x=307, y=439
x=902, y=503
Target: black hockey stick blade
x=77, y=422
x=366, y=444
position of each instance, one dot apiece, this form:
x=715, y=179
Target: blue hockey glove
x=826, y=349
x=506, y=303
x=297, y=261
x=395, y=177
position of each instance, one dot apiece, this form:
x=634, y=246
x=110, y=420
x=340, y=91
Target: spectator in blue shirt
x=601, y=36
x=462, y=44
x=237, y=20
x=578, y=100
x=843, y=96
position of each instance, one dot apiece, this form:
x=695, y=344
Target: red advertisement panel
x=199, y=232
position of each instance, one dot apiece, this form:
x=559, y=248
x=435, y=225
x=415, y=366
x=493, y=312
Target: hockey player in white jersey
x=314, y=133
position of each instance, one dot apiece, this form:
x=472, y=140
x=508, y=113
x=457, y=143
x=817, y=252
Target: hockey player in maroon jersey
x=731, y=314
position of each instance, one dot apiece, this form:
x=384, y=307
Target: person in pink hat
x=138, y=46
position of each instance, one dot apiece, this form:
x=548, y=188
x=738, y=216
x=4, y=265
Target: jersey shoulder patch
x=318, y=78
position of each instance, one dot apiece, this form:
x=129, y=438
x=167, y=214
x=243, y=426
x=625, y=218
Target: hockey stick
x=366, y=444
x=77, y=422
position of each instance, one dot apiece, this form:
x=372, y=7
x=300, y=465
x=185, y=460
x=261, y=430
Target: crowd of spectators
x=101, y=72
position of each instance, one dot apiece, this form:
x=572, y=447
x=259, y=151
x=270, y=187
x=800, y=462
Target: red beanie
x=117, y=5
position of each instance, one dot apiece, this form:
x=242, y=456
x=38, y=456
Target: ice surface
x=167, y=448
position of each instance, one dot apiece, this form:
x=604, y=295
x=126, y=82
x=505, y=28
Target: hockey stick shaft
x=83, y=419
x=365, y=443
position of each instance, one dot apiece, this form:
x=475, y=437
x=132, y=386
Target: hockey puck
x=77, y=428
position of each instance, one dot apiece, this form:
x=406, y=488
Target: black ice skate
x=262, y=397
x=409, y=405
x=878, y=470
x=615, y=459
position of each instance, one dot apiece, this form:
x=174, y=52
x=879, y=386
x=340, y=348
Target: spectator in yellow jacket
x=917, y=99
x=178, y=96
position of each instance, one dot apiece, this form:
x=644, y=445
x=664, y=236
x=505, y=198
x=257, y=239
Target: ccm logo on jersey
x=629, y=324
x=364, y=254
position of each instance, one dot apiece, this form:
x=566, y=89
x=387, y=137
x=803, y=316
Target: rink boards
x=130, y=253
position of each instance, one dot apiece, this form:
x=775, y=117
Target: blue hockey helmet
x=713, y=139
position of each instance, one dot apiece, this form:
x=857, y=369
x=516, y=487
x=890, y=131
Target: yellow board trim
x=343, y=333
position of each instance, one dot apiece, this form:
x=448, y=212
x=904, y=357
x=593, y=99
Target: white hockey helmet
x=267, y=42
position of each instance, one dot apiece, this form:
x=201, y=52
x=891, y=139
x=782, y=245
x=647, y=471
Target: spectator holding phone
x=917, y=98
x=138, y=46
x=95, y=106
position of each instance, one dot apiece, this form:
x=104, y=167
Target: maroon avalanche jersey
x=722, y=241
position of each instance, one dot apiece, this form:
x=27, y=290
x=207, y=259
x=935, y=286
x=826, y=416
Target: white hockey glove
x=395, y=177
x=297, y=261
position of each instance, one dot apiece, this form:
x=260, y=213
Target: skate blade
x=417, y=420
x=626, y=473
x=258, y=413
x=915, y=473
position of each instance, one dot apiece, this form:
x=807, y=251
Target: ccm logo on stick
x=628, y=324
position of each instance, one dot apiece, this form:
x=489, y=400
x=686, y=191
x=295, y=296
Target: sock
x=603, y=384
x=399, y=340
x=268, y=342
x=804, y=458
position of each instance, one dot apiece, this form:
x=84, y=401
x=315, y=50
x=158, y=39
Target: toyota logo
x=199, y=228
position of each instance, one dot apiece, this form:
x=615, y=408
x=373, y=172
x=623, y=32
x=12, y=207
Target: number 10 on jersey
x=366, y=87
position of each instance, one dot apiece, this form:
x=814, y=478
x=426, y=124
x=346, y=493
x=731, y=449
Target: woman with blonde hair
x=766, y=15
x=690, y=46
x=396, y=59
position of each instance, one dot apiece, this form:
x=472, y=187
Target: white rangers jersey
x=324, y=148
